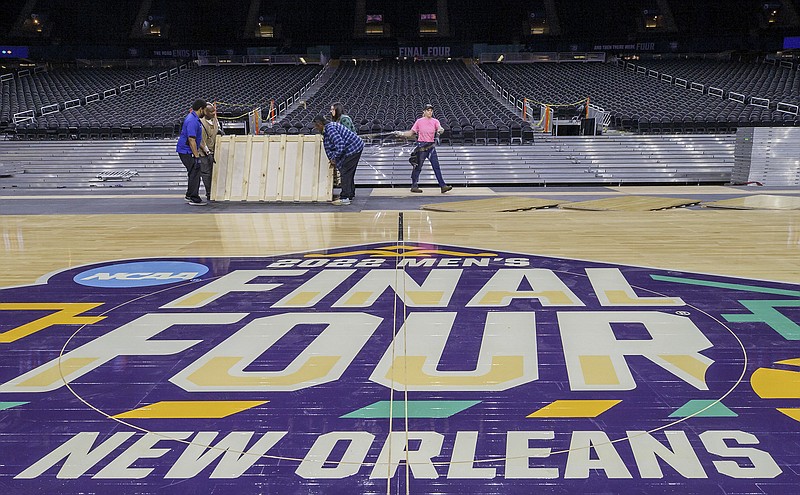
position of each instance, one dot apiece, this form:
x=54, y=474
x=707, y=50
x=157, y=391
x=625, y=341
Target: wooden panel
x=271, y=168
x=630, y=203
x=758, y=202
x=404, y=191
x=705, y=190
x=290, y=166
x=257, y=148
x=493, y=204
x=275, y=166
x=236, y=185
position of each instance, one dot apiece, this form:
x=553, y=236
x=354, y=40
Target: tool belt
x=414, y=158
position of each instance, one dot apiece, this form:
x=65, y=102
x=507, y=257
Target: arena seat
x=389, y=95
x=239, y=89
x=760, y=80
x=626, y=95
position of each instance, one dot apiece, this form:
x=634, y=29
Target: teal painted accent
x=416, y=409
x=721, y=285
x=765, y=312
x=9, y=405
x=760, y=311
x=718, y=410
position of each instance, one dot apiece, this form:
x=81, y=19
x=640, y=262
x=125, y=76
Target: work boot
x=416, y=189
x=446, y=188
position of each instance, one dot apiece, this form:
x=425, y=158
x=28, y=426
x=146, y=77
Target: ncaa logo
x=141, y=274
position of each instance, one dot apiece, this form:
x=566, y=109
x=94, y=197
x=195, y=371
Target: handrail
x=301, y=59
x=536, y=57
x=20, y=117
x=787, y=108
x=48, y=109
x=720, y=92
x=92, y=98
x=502, y=92
x=737, y=97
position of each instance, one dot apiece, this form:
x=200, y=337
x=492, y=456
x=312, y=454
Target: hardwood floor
x=753, y=244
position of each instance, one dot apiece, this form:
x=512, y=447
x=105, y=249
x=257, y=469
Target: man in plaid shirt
x=343, y=148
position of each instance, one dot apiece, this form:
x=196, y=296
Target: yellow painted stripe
x=574, y=409
x=790, y=362
x=65, y=314
x=689, y=364
x=425, y=297
x=358, y=298
x=190, y=409
x=622, y=298
x=409, y=370
x=52, y=375
x=216, y=372
x=196, y=299
x=598, y=370
x=303, y=298
x=553, y=297
x=791, y=412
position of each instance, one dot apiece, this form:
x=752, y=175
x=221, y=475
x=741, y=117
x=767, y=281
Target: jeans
x=193, y=170
x=430, y=154
x=206, y=168
x=348, y=170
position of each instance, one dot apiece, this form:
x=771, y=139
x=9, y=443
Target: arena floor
x=153, y=347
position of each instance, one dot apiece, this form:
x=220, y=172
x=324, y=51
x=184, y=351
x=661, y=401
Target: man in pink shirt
x=426, y=129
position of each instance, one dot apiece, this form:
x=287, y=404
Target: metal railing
x=783, y=107
x=517, y=102
x=29, y=115
x=262, y=60
x=533, y=57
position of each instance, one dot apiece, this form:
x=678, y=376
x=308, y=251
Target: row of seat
x=58, y=86
x=766, y=81
x=628, y=97
x=383, y=96
x=237, y=89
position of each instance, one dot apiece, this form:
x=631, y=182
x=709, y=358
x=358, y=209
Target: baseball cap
x=427, y=106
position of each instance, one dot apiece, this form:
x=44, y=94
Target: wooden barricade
x=271, y=168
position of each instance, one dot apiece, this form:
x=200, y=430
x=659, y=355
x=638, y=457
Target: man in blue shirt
x=343, y=148
x=190, y=143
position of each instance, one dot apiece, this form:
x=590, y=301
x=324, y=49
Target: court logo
x=141, y=274
x=421, y=368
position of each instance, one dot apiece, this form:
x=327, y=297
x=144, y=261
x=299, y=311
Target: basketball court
x=270, y=348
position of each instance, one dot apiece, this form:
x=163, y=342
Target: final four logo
x=412, y=369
